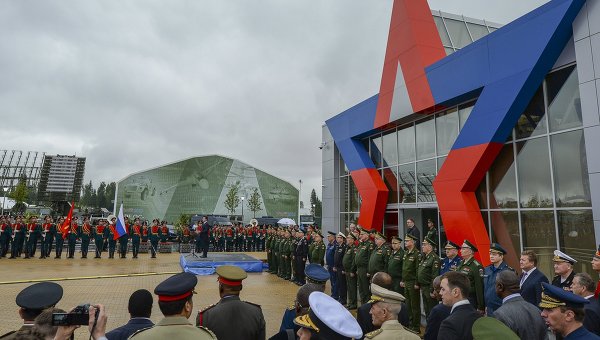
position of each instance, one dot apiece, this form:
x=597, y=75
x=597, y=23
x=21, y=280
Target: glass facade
x=457, y=32
x=535, y=195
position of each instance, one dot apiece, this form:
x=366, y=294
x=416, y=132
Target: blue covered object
x=207, y=266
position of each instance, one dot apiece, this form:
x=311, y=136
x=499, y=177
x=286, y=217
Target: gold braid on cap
x=306, y=322
x=376, y=298
x=550, y=302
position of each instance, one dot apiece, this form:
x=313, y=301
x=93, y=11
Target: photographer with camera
x=92, y=315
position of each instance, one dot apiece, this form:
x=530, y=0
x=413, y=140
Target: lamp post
x=299, y=196
x=242, y=209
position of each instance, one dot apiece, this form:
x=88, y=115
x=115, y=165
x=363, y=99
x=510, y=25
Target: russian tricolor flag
x=120, y=229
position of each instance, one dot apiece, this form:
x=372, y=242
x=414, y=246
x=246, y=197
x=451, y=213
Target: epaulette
x=139, y=331
x=213, y=335
x=207, y=308
x=253, y=304
x=373, y=334
x=476, y=262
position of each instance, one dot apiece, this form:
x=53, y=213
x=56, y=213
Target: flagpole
x=115, y=201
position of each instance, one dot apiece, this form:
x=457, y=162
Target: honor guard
x=32, y=232
x=48, y=231
x=410, y=264
x=136, y=236
x=85, y=233
x=385, y=307
x=5, y=235
x=350, y=270
x=452, y=261
x=100, y=235
x=563, y=268
x=361, y=260
x=59, y=238
x=429, y=268
x=394, y=267
x=72, y=236
x=124, y=239
x=327, y=319
x=378, y=261
x=175, y=301
x=112, y=236
x=474, y=271
x=492, y=301
x=32, y=301
x=164, y=232
x=154, y=237
x=145, y=232
x=249, y=319
x=18, y=237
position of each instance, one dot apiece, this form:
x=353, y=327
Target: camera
x=80, y=315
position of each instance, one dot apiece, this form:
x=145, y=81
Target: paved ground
x=271, y=292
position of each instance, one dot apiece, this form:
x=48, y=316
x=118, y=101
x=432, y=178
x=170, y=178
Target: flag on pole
x=120, y=229
x=64, y=228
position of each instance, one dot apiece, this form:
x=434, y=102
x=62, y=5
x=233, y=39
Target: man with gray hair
x=584, y=286
x=385, y=307
x=520, y=316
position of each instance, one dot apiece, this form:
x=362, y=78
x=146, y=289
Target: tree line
x=96, y=198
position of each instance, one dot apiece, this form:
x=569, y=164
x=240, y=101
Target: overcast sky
x=135, y=84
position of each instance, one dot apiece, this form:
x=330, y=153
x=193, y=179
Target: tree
x=101, y=192
x=111, y=188
x=86, y=196
x=254, y=202
x=232, y=199
x=316, y=206
x=19, y=194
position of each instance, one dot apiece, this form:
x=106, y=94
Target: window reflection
x=571, y=181
x=564, y=109
x=390, y=178
x=425, y=139
x=390, y=149
x=426, y=171
x=354, y=197
x=442, y=30
x=406, y=181
x=503, y=183
x=477, y=31
x=375, y=147
x=533, y=121
x=406, y=144
x=458, y=32
x=446, y=130
x=535, y=186
x=576, y=236
x=539, y=235
x=505, y=229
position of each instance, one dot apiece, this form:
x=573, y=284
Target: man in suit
x=584, y=286
x=363, y=315
x=232, y=318
x=140, y=308
x=531, y=278
x=202, y=239
x=411, y=229
x=455, y=288
x=520, y=316
x=438, y=314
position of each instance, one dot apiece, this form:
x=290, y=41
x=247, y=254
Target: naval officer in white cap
x=563, y=268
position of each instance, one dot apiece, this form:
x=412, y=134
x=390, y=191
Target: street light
x=242, y=209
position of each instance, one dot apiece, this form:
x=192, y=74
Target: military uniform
x=86, y=234
x=474, y=271
x=112, y=241
x=361, y=261
x=492, y=301
x=249, y=322
x=136, y=235
x=5, y=237
x=18, y=237
x=429, y=268
x=300, y=254
x=32, y=232
x=100, y=234
x=72, y=236
x=350, y=272
x=449, y=264
x=410, y=264
x=389, y=329
x=339, y=270
x=318, y=253
x=378, y=260
x=59, y=241
x=48, y=231
x=394, y=267
x=559, y=256
x=154, y=238
x=124, y=240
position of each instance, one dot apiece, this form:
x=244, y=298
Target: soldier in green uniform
x=287, y=255
x=432, y=232
x=268, y=249
x=394, y=267
x=275, y=245
x=318, y=252
x=429, y=268
x=410, y=264
x=99, y=235
x=281, y=260
x=295, y=239
x=85, y=234
x=136, y=235
x=361, y=262
x=378, y=261
x=474, y=271
x=350, y=270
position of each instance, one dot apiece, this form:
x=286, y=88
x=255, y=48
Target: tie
x=523, y=277
x=597, y=290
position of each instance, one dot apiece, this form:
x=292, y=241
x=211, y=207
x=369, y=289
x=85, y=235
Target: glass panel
x=406, y=144
x=426, y=171
x=375, y=146
x=571, y=181
x=390, y=149
x=443, y=33
x=458, y=33
x=343, y=167
x=406, y=180
x=505, y=230
x=535, y=186
x=481, y=194
x=354, y=201
x=492, y=29
x=576, y=237
x=440, y=162
x=564, y=105
x=390, y=224
x=539, y=235
x=464, y=111
x=449, y=50
x=477, y=31
x=390, y=177
x=426, y=139
x=533, y=121
x=446, y=130
x=344, y=202
x=503, y=183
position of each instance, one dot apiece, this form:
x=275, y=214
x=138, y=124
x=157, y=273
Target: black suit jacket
x=591, y=321
x=438, y=314
x=458, y=325
x=125, y=331
x=366, y=322
x=531, y=291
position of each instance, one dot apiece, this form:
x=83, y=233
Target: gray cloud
x=132, y=85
